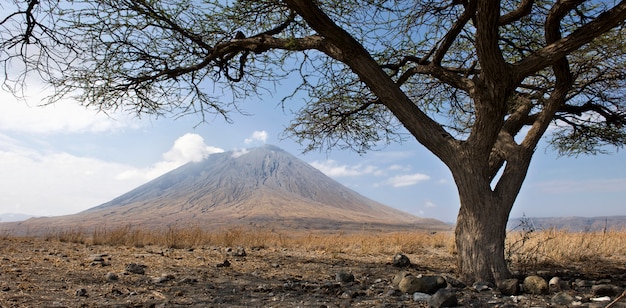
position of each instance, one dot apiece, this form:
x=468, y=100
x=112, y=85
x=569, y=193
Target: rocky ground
x=38, y=273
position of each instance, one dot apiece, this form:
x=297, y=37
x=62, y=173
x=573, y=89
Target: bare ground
x=39, y=273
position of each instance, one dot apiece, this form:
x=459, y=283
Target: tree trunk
x=480, y=232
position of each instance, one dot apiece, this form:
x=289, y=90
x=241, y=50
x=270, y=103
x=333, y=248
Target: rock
x=535, y=285
x=482, y=286
x=136, y=268
x=111, y=276
x=421, y=297
x=163, y=278
x=556, y=284
x=509, y=287
x=605, y=290
x=400, y=260
x=81, y=292
x=344, y=277
x=226, y=263
x=443, y=298
x=398, y=277
x=562, y=298
x=423, y=284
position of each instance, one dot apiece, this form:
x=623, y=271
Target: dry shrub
x=71, y=235
x=530, y=249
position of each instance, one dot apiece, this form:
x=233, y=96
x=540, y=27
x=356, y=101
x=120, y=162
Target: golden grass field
x=523, y=248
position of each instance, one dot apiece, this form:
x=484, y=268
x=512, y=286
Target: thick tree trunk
x=480, y=232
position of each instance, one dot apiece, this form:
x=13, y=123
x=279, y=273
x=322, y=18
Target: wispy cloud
x=407, y=179
x=187, y=148
x=62, y=117
x=56, y=182
x=334, y=169
x=257, y=136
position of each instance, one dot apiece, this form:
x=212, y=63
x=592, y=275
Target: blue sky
x=62, y=159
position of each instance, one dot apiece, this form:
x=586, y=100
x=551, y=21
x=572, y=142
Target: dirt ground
x=39, y=273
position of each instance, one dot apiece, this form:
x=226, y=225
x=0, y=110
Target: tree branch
x=581, y=36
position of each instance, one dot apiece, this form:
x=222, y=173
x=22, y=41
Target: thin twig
x=616, y=300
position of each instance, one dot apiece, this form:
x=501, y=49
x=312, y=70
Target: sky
x=62, y=159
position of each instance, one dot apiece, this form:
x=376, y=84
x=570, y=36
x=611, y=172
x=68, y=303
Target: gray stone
x=535, y=285
x=482, y=286
x=111, y=276
x=443, y=298
x=605, y=290
x=421, y=297
x=423, y=284
x=556, y=284
x=135, y=268
x=400, y=260
x=344, y=277
x=509, y=287
x=81, y=292
x=562, y=298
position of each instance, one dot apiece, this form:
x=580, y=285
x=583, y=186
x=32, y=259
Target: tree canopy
x=477, y=82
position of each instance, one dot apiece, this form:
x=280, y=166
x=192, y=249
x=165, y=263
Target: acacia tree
x=476, y=82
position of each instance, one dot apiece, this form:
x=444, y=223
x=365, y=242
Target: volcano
x=259, y=187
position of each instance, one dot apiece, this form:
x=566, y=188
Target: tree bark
x=481, y=229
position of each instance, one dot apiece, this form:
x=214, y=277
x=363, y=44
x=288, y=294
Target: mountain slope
x=261, y=187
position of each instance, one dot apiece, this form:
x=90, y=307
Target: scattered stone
x=163, y=278
x=535, y=285
x=344, y=277
x=81, y=292
x=421, y=297
x=556, y=284
x=98, y=259
x=581, y=283
x=600, y=299
x=509, y=287
x=111, y=276
x=226, y=263
x=400, y=260
x=136, y=268
x=605, y=290
x=482, y=286
x=188, y=280
x=443, y=298
x=562, y=298
x=423, y=284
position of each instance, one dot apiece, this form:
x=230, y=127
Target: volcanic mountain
x=259, y=187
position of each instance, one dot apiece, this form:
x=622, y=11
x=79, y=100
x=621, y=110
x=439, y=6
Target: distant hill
x=260, y=187
x=11, y=217
x=574, y=224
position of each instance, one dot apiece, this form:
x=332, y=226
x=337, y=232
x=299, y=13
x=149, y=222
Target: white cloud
x=62, y=117
x=57, y=183
x=257, y=136
x=187, y=148
x=238, y=153
x=334, y=169
x=190, y=147
x=407, y=179
x=430, y=204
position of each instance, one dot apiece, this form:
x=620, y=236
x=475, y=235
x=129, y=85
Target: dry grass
x=525, y=250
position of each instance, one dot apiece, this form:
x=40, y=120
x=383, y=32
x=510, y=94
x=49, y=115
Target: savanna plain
x=238, y=267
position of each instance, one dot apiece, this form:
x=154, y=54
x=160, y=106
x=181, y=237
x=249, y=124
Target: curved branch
x=581, y=36
x=522, y=10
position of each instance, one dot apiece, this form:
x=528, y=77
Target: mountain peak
x=258, y=186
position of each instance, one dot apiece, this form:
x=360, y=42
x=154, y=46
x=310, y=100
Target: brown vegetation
x=524, y=248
